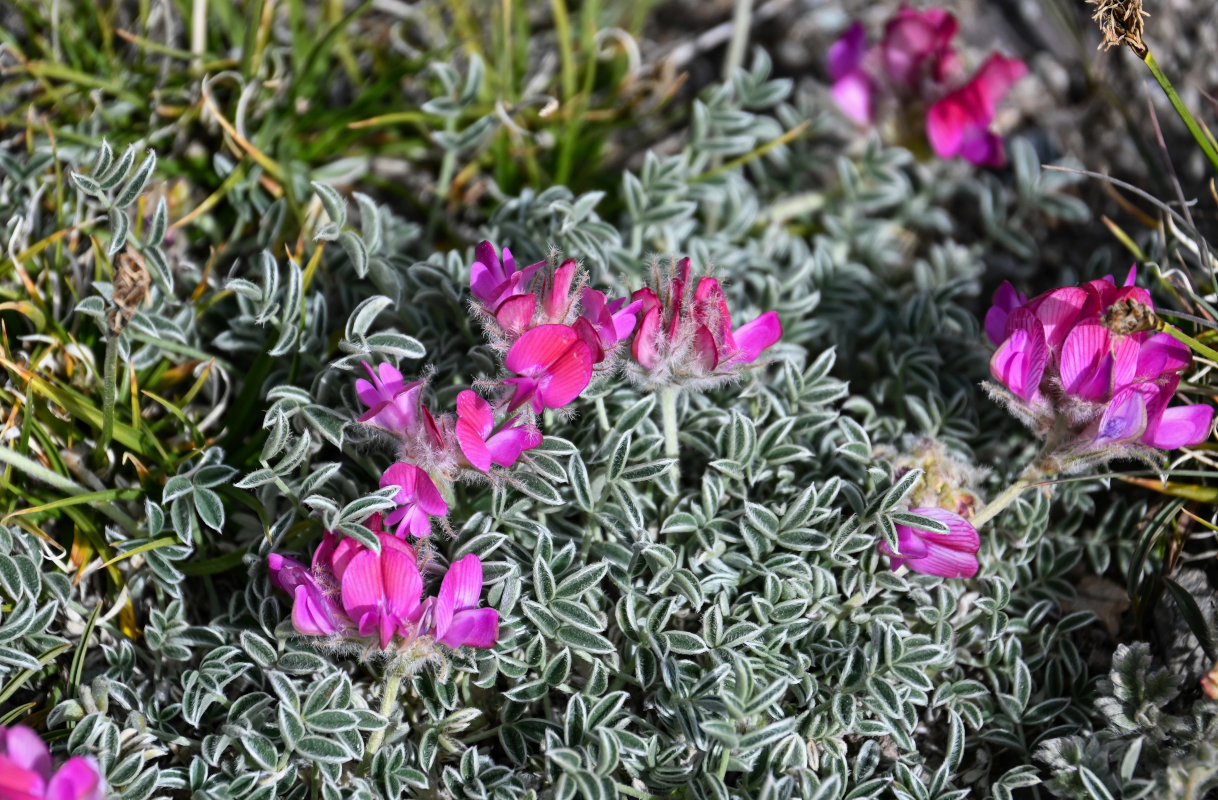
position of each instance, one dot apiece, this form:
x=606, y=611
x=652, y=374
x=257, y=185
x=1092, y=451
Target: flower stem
x=1029, y=476
x=602, y=417
x=393, y=681
x=109, y=391
x=1203, y=139
x=668, y=421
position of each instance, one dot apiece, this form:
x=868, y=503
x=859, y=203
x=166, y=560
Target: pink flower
x=492, y=281
x=481, y=447
x=392, y=403
x=314, y=611
x=398, y=407
x=687, y=341
x=456, y=619
x=604, y=324
x=948, y=555
x=381, y=592
x=375, y=599
x=716, y=342
x=1063, y=361
x=509, y=310
x=852, y=88
x=418, y=500
x=1006, y=300
x=554, y=365
x=914, y=72
x=917, y=47
x=558, y=294
x=958, y=124
x=515, y=315
x=26, y=771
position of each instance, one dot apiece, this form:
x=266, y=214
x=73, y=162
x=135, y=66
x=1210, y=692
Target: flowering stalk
x=1029, y=476
x=109, y=391
x=398, y=668
x=1206, y=145
x=668, y=422
x=1121, y=23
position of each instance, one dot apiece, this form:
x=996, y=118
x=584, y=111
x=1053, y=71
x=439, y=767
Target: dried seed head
x=1121, y=23
x=131, y=284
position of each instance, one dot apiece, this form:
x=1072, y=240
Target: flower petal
x=1019, y=363
x=946, y=563
x=475, y=627
x=853, y=94
x=363, y=585
x=645, y=347
x=402, y=475
x=961, y=535
x=754, y=337
x=982, y=148
x=1083, y=358
x=994, y=79
x=1124, y=418
x=1059, y=309
x=429, y=496
x=286, y=573
x=912, y=39
x=475, y=420
x=486, y=274
x=534, y=352
x=464, y=581
x=589, y=335
x=515, y=314
x=1006, y=300
x=910, y=543
x=568, y=376
x=705, y=353
x=1181, y=426
x=476, y=411
x=19, y=783
x=402, y=581
x=25, y=750
x=78, y=779
x=846, y=53
x=459, y=590
x=312, y=612
x=558, y=298
x=1162, y=353
x=507, y=445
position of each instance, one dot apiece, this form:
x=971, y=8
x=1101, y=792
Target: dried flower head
x=1121, y=23
x=131, y=285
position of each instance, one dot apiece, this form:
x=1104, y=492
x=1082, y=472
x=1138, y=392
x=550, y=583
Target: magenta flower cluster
x=686, y=337
x=555, y=335
x=1066, y=370
x=1088, y=369
x=914, y=74
x=355, y=594
x=556, y=344
x=27, y=772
